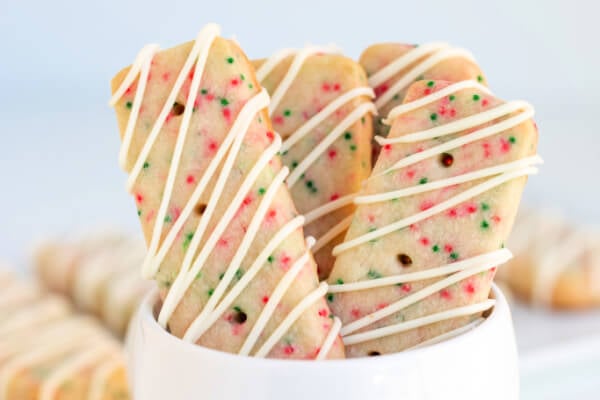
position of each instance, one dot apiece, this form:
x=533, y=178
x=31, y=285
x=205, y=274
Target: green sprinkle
x=210, y=292
x=284, y=153
x=451, y=97
x=230, y=60
x=287, y=113
x=420, y=78
x=435, y=248
x=362, y=120
x=167, y=219
x=128, y=104
x=476, y=97
x=485, y=224
x=479, y=78
x=433, y=117
x=224, y=102
x=221, y=276
x=237, y=309
x=250, y=86
x=430, y=83
x=294, y=164
x=330, y=297
x=422, y=181
x=243, y=77
x=512, y=139
x=139, y=213
x=146, y=165
x=199, y=275
x=187, y=240
x=167, y=283
x=270, y=259
x=239, y=273
x=348, y=135
x=372, y=274
x=454, y=255
x=262, y=191
x=340, y=281
x=485, y=206
x=203, y=91
x=314, y=190
x=396, y=97
x=309, y=184
x=353, y=147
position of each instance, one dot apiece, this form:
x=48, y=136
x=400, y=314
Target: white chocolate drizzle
x=561, y=248
x=432, y=54
x=203, y=242
x=299, y=57
x=101, y=376
x=459, y=270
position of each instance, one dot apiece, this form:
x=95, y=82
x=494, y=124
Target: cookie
x=103, y=274
x=393, y=67
x=556, y=263
x=226, y=244
x=46, y=352
x=321, y=106
x=419, y=257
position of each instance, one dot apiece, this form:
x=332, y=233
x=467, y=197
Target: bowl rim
x=146, y=317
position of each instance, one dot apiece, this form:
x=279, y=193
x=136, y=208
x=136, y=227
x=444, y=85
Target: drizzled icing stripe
x=186, y=276
x=330, y=339
x=226, y=155
x=256, y=266
x=243, y=120
x=554, y=263
x=448, y=335
x=462, y=269
x=274, y=299
x=294, y=69
x=289, y=320
x=418, y=322
x=101, y=376
x=434, y=53
x=70, y=367
x=301, y=132
x=43, y=311
x=243, y=248
x=329, y=140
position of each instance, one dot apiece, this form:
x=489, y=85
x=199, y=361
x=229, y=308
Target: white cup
x=478, y=364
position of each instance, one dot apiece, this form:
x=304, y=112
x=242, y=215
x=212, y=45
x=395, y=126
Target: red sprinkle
x=336, y=87
x=139, y=198
x=406, y=287
x=227, y=113
x=325, y=87
x=166, y=76
x=265, y=299
x=387, y=147
x=289, y=349
x=355, y=312
x=278, y=120
x=235, y=82
x=470, y=288
x=332, y=153
x=448, y=248
x=190, y=179
x=334, y=197
x=425, y=241
x=323, y=312
x=445, y=294
x=271, y=135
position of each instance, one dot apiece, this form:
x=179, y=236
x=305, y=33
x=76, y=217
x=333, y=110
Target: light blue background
x=58, y=138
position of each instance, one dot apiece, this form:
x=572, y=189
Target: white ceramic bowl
x=479, y=364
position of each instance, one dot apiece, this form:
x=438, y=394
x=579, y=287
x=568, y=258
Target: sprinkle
x=479, y=78
x=198, y=275
x=178, y=109
x=261, y=191
x=476, y=97
x=188, y=240
x=146, y=165
x=485, y=206
x=485, y=224
x=139, y=212
x=224, y=101
x=423, y=181
x=348, y=135
x=372, y=274
x=270, y=259
x=435, y=248
x=210, y=292
x=433, y=117
x=340, y=281
x=230, y=60
x=294, y=164
x=167, y=219
x=128, y=104
x=512, y=139
x=430, y=83
x=353, y=147
x=330, y=297
x=446, y=159
x=287, y=113
x=250, y=86
x=203, y=91
x=243, y=77
x=451, y=97
x=454, y=255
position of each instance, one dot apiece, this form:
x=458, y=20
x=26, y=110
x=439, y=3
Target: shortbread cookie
x=556, y=264
x=418, y=260
x=393, y=67
x=226, y=244
x=48, y=353
x=103, y=271
x=321, y=106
